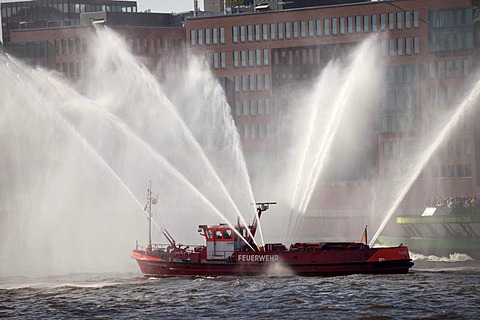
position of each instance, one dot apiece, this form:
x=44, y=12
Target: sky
x=159, y=5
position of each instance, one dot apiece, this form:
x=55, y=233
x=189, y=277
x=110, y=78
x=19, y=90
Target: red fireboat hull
x=394, y=260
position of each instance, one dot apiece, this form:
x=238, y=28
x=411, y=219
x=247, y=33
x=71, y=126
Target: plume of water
x=429, y=146
x=340, y=90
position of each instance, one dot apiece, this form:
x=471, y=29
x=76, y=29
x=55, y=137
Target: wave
x=454, y=257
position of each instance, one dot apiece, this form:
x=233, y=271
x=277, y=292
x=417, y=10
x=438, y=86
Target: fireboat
x=231, y=251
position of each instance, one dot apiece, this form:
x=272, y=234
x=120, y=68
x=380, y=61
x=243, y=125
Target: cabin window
x=209, y=234
x=218, y=234
x=227, y=234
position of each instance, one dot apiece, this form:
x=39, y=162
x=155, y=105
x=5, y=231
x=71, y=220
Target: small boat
x=231, y=251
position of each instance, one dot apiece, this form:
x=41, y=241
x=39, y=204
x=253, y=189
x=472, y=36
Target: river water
x=431, y=290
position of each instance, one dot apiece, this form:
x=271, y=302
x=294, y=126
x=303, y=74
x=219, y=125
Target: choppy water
x=432, y=290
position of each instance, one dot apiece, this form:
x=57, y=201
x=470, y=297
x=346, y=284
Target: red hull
x=317, y=263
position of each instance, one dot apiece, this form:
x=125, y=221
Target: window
x=235, y=34
x=266, y=81
x=254, y=129
x=416, y=45
x=374, y=23
x=342, y=25
x=260, y=106
x=215, y=36
x=192, y=37
x=222, y=35
x=258, y=57
x=235, y=59
x=207, y=37
x=215, y=60
x=251, y=81
x=303, y=29
x=400, y=46
x=350, y=24
x=245, y=107
x=415, y=19
x=326, y=27
x=391, y=47
x=334, y=26
x=365, y=23
x=236, y=83
x=242, y=34
x=267, y=106
x=295, y=29
x=399, y=20
x=245, y=131
x=440, y=69
x=272, y=31
x=408, y=16
x=288, y=33
x=280, y=30
x=250, y=58
x=311, y=30
x=237, y=108
x=244, y=58
x=259, y=82
x=58, y=47
x=200, y=37
x=265, y=31
x=257, y=32
x=265, y=57
x=408, y=49
x=253, y=107
x=71, y=44
x=223, y=60
x=244, y=83
x=383, y=22
x=250, y=33
x=390, y=21
x=318, y=23
x=358, y=24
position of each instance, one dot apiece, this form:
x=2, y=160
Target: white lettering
x=258, y=258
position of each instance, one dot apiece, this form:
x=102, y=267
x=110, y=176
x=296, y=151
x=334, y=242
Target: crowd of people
x=463, y=201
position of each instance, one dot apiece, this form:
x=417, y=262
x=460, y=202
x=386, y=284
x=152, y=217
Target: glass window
x=415, y=19
x=265, y=57
x=311, y=30
x=258, y=35
x=250, y=32
x=254, y=129
x=280, y=30
x=334, y=26
x=366, y=23
x=260, y=106
x=242, y=34
x=245, y=107
x=251, y=81
x=272, y=31
x=258, y=57
x=215, y=60
x=400, y=46
x=399, y=20
x=407, y=19
x=192, y=37
x=266, y=82
x=391, y=25
x=326, y=27
x=358, y=24
x=235, y=34
x=374, y=23
x=416, y=45
x=244, y=83
x=265, y=31
x=295, y=29
x=267, y=106
x=207, y=37
x=288, y=33
x=243, y=58
x=408, y=49
x=253, y=107
x=236, y=82
x=342, y=25
x=350, y=24
x=235, y=59
x=259, y=82
x=391, y=47
x=246, y=129
x=383, y=22
x=238, y=112
x=223, y=60
x=200, y=37
x=250, y=58
x=215, y=36
x=303, y=29
x=318, y=23
x=222, y=35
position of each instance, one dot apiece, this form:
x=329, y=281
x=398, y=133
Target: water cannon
x=264, y=206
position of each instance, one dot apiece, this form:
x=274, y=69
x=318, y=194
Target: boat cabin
x=222, y=241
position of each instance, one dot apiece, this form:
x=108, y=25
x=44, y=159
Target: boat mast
x=151, y=199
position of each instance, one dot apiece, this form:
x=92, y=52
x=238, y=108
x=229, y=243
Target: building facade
x=429, y=48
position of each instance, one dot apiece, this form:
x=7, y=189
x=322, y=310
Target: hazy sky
x=159, y=5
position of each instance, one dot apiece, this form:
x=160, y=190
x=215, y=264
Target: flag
x=364, y=237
